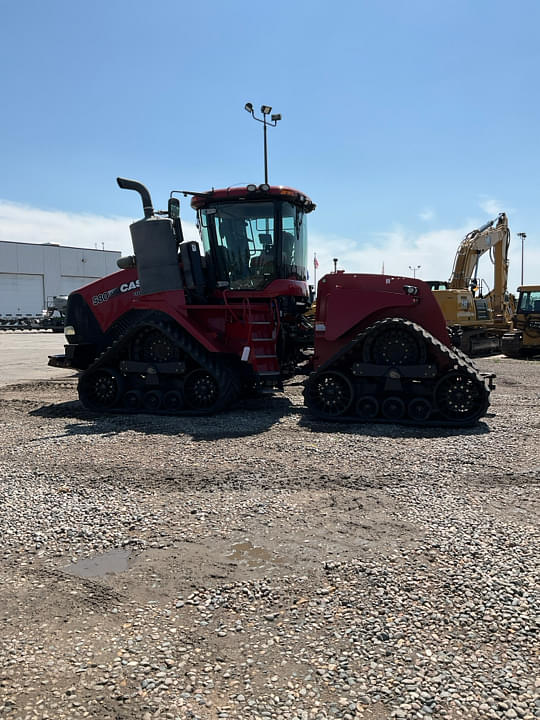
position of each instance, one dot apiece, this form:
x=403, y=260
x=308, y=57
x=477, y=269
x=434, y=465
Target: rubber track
x=223, y=372
x=466, y=358
x=458, y=361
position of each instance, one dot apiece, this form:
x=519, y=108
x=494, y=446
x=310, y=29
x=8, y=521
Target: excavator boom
x=493, y=237
x=477, y=319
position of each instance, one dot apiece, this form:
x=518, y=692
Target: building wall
x=30, y=273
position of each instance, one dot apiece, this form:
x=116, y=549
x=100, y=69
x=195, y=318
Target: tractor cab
x=253, y=235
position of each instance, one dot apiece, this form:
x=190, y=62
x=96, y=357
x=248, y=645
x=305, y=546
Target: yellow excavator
x=477, y=319
x=523, y=340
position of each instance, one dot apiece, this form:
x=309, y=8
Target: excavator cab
x=253, y=237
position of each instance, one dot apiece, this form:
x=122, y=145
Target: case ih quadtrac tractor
x=180, y=331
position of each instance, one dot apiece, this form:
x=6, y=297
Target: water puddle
x=113, y=561
x=252, y=555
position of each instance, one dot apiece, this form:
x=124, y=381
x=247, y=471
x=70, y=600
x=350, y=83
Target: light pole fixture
x=265, y=110
x=522, y=236
x=414, y=268
x=335, y=261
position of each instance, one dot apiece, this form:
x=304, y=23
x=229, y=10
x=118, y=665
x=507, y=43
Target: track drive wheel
x=329, y=393
x=394, y=343
x=151, y=345
x=460, y=397
x=100, y=389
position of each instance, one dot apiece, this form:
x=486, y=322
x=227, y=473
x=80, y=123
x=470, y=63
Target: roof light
x=251, y=187
x=265, y=187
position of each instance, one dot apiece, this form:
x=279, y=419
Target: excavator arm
x=493, y=237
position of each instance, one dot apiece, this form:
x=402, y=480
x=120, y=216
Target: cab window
x=530, y=301
x=293, y=242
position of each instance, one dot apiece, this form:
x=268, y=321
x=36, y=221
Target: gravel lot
x=262, y=565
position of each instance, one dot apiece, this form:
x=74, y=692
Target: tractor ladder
x=261, y=321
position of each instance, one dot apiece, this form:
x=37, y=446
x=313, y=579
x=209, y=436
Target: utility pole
x=266, y=110
x=522, y=236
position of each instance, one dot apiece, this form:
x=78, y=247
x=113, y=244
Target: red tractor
x=184, y=332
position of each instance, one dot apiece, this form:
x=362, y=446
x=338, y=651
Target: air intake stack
x=155, y=246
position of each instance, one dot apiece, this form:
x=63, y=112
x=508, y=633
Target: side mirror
x=173, y=208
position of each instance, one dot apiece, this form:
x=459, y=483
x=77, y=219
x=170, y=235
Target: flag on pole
x=315, y=261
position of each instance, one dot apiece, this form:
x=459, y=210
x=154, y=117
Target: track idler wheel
x=367, y=407
x=201, y=390
x=329, y=393
x=100, y=389
x=393, y=408
x=461, y=397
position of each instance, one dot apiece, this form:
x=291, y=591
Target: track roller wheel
x=330, y=393
x=367, y=407
x=100, y=389
x=173, y=401
x=394, y=344
x=460, y=397
x=152, y=400
x=419, y=409
x=132, y=400
x=393, y=408
x=201, y=390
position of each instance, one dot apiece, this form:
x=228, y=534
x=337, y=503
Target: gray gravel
x=262, y=565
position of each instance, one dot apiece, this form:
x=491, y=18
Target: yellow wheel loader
x=523, y=340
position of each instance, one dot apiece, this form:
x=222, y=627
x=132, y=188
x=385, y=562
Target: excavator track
x=397, y=372
x=153, y=367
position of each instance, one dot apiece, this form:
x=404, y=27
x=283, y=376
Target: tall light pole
x=522, y=236
x=414, y=268
x=266, y=110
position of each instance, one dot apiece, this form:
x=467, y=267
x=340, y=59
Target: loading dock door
x=21, y=294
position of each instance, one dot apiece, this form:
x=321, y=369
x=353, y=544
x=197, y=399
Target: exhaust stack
x=143, y=191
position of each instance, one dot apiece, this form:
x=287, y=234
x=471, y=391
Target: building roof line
x=57, y=245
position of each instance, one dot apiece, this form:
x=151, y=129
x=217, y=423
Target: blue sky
x=408, y=123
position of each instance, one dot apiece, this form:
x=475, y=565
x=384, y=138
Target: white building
x=31, y=273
